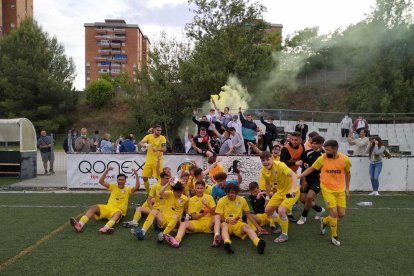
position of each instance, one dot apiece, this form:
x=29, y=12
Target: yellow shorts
x=201, y=225
x=264, y=220
x=334, y=199
x=280, y=199
x=236, y=229
x=106, y=212
x=166, y=220
x=150, y=169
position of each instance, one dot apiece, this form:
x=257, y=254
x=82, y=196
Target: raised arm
x=137, y=184
x=103, y=176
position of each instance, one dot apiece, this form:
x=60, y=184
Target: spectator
x=346, y=125
x=106, y=145
x=226, y=142
x=302, y=128
x=96, y=141
x=236, y=124
x=82, y=143
x=127, y=145
x=119, y=141
x=215, y=141
x=69, y=142
x=45, y=145
x=201, y=143
x=376, y=151
x=188, y=139
x=360, y=144
x=249, y=129
x=360, y=124
x=270, y=133
x=202, y=123
x=292, y=152
x=237, y=141
x=178, y=146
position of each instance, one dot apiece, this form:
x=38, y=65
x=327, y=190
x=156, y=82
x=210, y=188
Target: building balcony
x=104, y=52
x=115, y=65
x=119, y=60
x=116, y=45
x=115, y=52
x=119, y=31
x=101, y=31
x=118, y=38
x=103, y=66
x=101, y=37
x=100, y=59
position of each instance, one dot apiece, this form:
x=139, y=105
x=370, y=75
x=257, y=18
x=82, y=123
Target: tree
x=99, y=92
x=36, y=78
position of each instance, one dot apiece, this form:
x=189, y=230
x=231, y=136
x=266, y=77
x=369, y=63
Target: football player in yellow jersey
x=335, y=177
x=156, y=145
x=287, y=191
x=170, y=213
x=201, y=211
x=230, y=210
x=116, y=206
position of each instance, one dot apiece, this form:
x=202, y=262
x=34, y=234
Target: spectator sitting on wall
x=360, y=124
x=82, y=143
x=202, y=123
x=127, y=145
x=302, y=128
x=201, y=143
x=177, y=146
x=188, y=139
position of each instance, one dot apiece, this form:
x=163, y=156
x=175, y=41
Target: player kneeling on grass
x=201, y=210
x=258, y=202
x=335, y=176
x=116, y=206
x=287, y=191
x=230, y=210
x=174, y=205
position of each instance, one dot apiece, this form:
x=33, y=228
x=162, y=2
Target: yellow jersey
x=333, y=171
x=156, y=142
x=119, y=197
x=217, y=168
x=195, y=205
x=232, y=208
x=173, y=205
x=155, y=193
x=278, y=175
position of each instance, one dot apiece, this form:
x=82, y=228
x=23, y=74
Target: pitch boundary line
x=31, y=248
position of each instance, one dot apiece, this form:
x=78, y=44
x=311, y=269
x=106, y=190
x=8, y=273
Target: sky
x=65, y=18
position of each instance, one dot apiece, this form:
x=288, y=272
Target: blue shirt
x=127, y=146
x=217, y=192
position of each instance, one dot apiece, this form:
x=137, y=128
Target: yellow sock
x=110, y=223
x=84, y=220
x=178, y=238
x=256, y=241
x=284, y=224
x=227, y=241
x=326, y=220
x=333, y=223
x=148, y=222
x=137, y=216
x=276, y=220
x=147, y=186
x=170, y=226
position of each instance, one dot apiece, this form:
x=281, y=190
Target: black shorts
x=313, y=185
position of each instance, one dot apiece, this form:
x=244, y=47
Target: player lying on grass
x=116, y=206
x=310, y=185
x=201, y=211
x=258, y=202
x=335, y=176
x=170, y=214
x=230, y=210
x=287, y=191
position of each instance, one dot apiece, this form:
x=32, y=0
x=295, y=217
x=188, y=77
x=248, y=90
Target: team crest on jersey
x=238, y=203
x=181, y=201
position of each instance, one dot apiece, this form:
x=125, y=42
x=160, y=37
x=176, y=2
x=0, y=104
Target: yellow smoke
x=232, y=95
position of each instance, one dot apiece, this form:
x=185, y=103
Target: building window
x=12, y=6
x=12, y=25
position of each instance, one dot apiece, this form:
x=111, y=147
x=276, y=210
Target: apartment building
x=12, y=13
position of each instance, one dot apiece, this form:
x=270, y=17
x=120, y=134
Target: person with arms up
x=302, y=128
x=156, y=146
x=116, y=207
x=376, y=151
x=249, y=129
x=45, y=145
x=335, y=177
